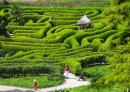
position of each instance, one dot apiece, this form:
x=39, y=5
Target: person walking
x=66, y=71
x=35, y=85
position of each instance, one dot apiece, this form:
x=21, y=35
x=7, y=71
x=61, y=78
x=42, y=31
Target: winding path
x=69, y=83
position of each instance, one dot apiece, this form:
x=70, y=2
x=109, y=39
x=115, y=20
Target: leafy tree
x=119, y=72
x=116, y=2
x=3, y=23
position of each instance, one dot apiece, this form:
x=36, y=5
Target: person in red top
x=66, y=71
x=35, y=86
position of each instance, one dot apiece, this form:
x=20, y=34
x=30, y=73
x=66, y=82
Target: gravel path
x=69, y=83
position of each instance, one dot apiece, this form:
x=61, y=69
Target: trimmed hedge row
x=92, y=13
x=53, y=29
x=80, y=36
x=16, y=48
x=92, y=59
x=11, y=28
x=71, y=42
x=64, y=22
x=25, y=70
x=24, y=31
x=43, y=19
x=60, y=36
x=66, y=27
x=35, y=18
x=35, y=24
x=107, y=45
x=71, y=52
x=102, y=36
x=76, y=40
x=34, y=44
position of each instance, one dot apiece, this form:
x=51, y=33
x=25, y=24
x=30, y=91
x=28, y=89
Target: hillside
x=41, y=40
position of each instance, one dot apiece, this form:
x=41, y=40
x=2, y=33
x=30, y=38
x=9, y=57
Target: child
x=35, y=86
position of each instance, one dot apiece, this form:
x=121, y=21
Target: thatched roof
x=84, y=20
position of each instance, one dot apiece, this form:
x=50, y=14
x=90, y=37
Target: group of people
x=66, y=76
x=67, y=71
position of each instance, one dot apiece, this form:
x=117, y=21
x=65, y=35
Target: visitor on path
x=81, y=76
x=66, y=71
x=35, y=85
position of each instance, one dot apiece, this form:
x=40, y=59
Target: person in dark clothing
x=81, y=76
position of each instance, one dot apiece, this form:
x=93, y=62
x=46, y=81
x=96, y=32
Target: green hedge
x=64, y=22
x=43, y=19
x=102, y=35
x=93, y=59
x=60, y=36
x=107, y=45
x=25, y=70
x=11, y=28
x=71, y=42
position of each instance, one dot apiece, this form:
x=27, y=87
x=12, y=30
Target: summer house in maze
x=84, y=22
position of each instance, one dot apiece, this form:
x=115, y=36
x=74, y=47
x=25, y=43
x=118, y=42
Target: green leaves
x=116, y=2
x=119, y=71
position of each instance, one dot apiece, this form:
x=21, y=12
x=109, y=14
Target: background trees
x=115, y=2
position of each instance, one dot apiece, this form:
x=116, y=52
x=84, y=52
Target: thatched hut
x=84, y=22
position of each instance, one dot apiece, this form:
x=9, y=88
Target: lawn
x=27, y=81
x=96, y=71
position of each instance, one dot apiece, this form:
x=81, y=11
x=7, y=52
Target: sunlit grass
x=27, y=82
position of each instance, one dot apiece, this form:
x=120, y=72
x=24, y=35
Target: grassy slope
x=28, y=81
x=96, y=71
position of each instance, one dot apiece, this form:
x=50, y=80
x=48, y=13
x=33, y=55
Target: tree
x=3, y=23
x=117, y=2
x=119, y=70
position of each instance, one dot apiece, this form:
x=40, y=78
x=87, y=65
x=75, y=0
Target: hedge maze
x=42, y=37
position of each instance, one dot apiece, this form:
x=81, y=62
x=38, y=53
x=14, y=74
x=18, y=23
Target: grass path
x=69, y=83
